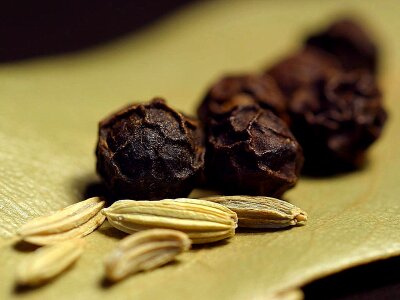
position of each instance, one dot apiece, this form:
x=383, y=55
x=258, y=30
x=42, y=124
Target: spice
x=144, y=251
x=262, y=212
x=48, y=262
x=74, y=221
x=306, y=68
x=203, y=221
x=241, y=90
x=335, y=115
x=341, y=121
x=150, y=151
x=349, y=43
x=250, y=151
x=335, y=107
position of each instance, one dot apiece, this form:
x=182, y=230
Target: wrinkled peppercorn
x=150, y=151
x=349, y=43
x=335, y=106
x=338, y=120
x=335, y=115
x=251, y=151
x=233, y=91
x=305, y=68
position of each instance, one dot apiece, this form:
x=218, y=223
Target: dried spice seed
x=349, y=43
x=203, y=221
x=81, y=231
x=251, y=151
x=144, y=251
x=64, y=219
x=306, y=68
x=242, y=90
x=335, y=115
x=48, y=262
x=262, y=212
x=207, y=206
x=150, y=151
x=345, y=120
x=74, y=221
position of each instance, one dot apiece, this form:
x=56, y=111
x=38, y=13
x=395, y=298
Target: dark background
x=35, y=28
x=377, y=280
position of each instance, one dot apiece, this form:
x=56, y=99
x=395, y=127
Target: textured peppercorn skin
x=335, y=114
x=349, y=43
x=307, y=67
x=338, y=120
x=150, y=151
x=251, y=151
x=235, y=90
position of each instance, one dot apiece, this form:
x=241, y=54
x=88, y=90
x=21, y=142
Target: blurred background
x=36, y=28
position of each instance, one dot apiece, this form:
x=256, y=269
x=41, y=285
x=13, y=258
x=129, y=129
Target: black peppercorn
x=249, y=149
x=337, y=120
x=335, y=114
x=150, y=151
x=304, y=68
x=232, y=91
x=349, y=43
x=335, y=106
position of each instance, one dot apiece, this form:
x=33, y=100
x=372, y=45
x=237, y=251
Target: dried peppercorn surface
x=336, y=121
x=304, y=68
x=349, y=43
x=335, y=114
x=234, y=90
x=150, y=151
x=251, y=151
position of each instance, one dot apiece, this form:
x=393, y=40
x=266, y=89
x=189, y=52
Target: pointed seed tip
x=301, y=217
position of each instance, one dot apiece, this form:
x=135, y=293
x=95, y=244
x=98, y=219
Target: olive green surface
x=49, y=109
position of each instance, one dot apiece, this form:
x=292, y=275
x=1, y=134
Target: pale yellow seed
x=64, y=219
x=74, y=221
x=262, y=212
x=209, y=205
x=144, y=251
x=79, y=232
x=203, y=221
x=48, y=262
